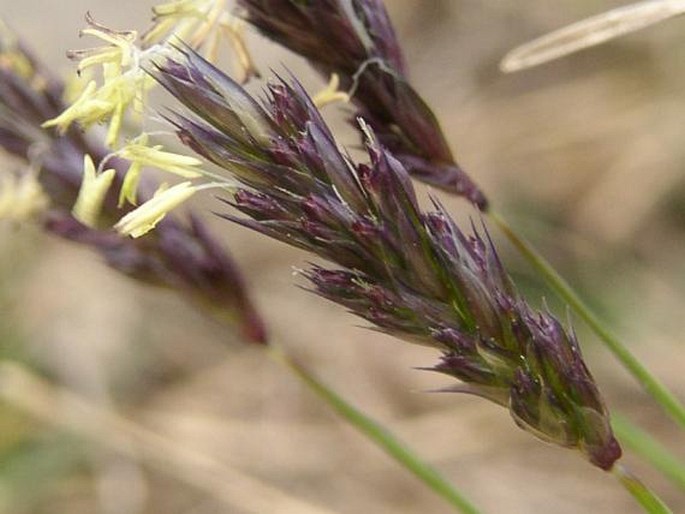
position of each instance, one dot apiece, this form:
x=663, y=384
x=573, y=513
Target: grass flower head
x=180, y=254
x=355, y=41
x=413, y=274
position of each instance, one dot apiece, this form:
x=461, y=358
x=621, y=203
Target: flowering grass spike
x=355, y=40
x=123, y=82
x=413, y=274
x=69, y=198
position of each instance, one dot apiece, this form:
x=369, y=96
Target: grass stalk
x=647, y=499
x=377, y=434
x=649, y=449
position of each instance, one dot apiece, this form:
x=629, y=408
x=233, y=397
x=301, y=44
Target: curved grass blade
x=591, y=32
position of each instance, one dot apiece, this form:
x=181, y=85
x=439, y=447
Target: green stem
x=649, y=501
x=378, y=435
x=649, y=382
x=649, y=449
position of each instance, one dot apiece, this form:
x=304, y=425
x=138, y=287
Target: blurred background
x=585, y=156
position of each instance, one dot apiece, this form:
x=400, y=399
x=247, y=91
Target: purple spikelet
x=355, y=40
x=413, y=274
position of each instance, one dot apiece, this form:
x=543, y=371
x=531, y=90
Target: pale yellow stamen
x=138, y=151
x=175, y=8
x=143, y=219
x=129, y=189
x=189, y=20
x=234, y=29
x=209, y=24
x=91, y=196
x=120, y=51
x=86, y=109
x=123, y=83
x=75, y=85
x=17, y=62
x=108, y=103
x=21, y=198
x=330, y=93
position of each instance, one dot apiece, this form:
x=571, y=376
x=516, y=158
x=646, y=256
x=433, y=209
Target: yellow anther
x=144, y=218
x=139, y=152
x=175, y=8
x=86, y=109
x=91, y=196
x=190, y=20
x=234, y=29
x=107, y=104
x=17, y=62
x=331, y=93
x=129, y=189
x=120, y=50
x=75, y=84
x=21, y=197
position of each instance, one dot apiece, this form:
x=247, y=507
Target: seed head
x=354, y=40
x=413, y=274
